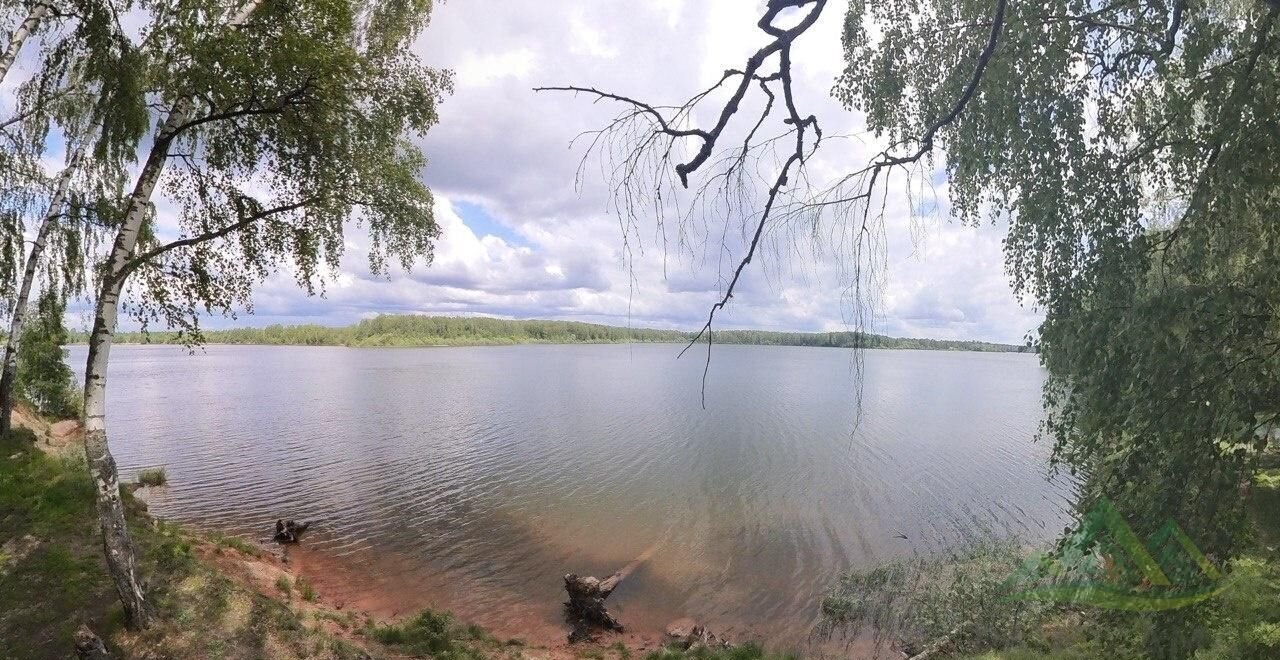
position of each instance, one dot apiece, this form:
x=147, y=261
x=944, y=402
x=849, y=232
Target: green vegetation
x=53, y=577
x=153, y=477
x=1134, y=160
x=305, y=590
x=916, y=602
x=743, y=652
x=44, y=379
x=413, y=330
x=962, y=598
x=235, y=543
x=436, y=635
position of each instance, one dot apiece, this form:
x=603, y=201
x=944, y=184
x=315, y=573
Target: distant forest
x=415, y=330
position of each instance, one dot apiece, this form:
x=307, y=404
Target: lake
x=473, y=479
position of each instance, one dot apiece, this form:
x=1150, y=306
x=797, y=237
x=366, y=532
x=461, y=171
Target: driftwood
x=687, y=635
x=89, y=646
x=585, y=607
x=288, y=531
x=935, y=647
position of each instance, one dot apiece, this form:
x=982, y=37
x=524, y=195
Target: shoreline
x=549, y=343
x=331, y=599
x=417, y=330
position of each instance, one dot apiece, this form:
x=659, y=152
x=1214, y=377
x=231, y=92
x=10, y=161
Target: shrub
x=43, y=378
x=1245, y=617
x=435, y=634
x=153, y=477
x=305, y=589
x=920, y=600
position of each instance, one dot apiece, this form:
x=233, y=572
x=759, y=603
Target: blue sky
x=482, y=224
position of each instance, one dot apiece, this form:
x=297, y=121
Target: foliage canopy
x=1131, y=147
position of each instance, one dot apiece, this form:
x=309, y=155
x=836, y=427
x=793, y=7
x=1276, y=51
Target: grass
x=235, y=543
x=1242, y=622
x=742, y=652
x=437, y=635
x=284, y=586
x=62, y=580
x=305, y=590
x=49, y=589
x=153, y=477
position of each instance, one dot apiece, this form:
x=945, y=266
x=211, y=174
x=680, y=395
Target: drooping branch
x=651, y=134
x=249, y=219
x=708, y=138
x=887, y=159
x=984, y=58
x=644, y=140
x=797, y=157
x=39, y=106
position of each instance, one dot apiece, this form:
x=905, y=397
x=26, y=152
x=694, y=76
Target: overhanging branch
x=134, y=263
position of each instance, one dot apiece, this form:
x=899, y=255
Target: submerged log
x=585, y=607
x=288, y=531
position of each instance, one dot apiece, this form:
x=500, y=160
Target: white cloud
x=506, y=149
x=485, y=68
x=589, y=40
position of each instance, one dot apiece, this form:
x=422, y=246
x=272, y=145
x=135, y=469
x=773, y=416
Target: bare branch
x=642, y=139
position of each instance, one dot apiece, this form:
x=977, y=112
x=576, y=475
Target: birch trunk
x=116, y=543
x=10, y=369
x=38, y=12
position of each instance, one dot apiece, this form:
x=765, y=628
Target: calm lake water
x=474, y=478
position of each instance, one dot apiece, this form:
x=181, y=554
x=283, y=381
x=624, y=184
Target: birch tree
x=1132, y=149
x=85, y=87
x=35, y=14
x=277, y=124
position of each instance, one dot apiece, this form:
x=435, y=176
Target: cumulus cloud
x=559, y=253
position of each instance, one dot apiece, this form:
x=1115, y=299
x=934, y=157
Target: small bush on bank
x=43, y=377
x=153, y=477
x=305, y=590
x=919, y=601
x=1245, y=619
x=435, y=634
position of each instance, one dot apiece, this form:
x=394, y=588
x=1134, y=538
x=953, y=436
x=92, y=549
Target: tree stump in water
x=289, y=531
x=586, y=604
x=585, y=607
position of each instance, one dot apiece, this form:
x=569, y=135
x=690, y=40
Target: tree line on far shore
x=419, y=330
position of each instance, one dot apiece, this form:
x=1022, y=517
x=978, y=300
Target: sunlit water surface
x=474, y=478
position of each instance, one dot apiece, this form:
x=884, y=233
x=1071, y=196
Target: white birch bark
x=20, y=35
x=102, y=466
